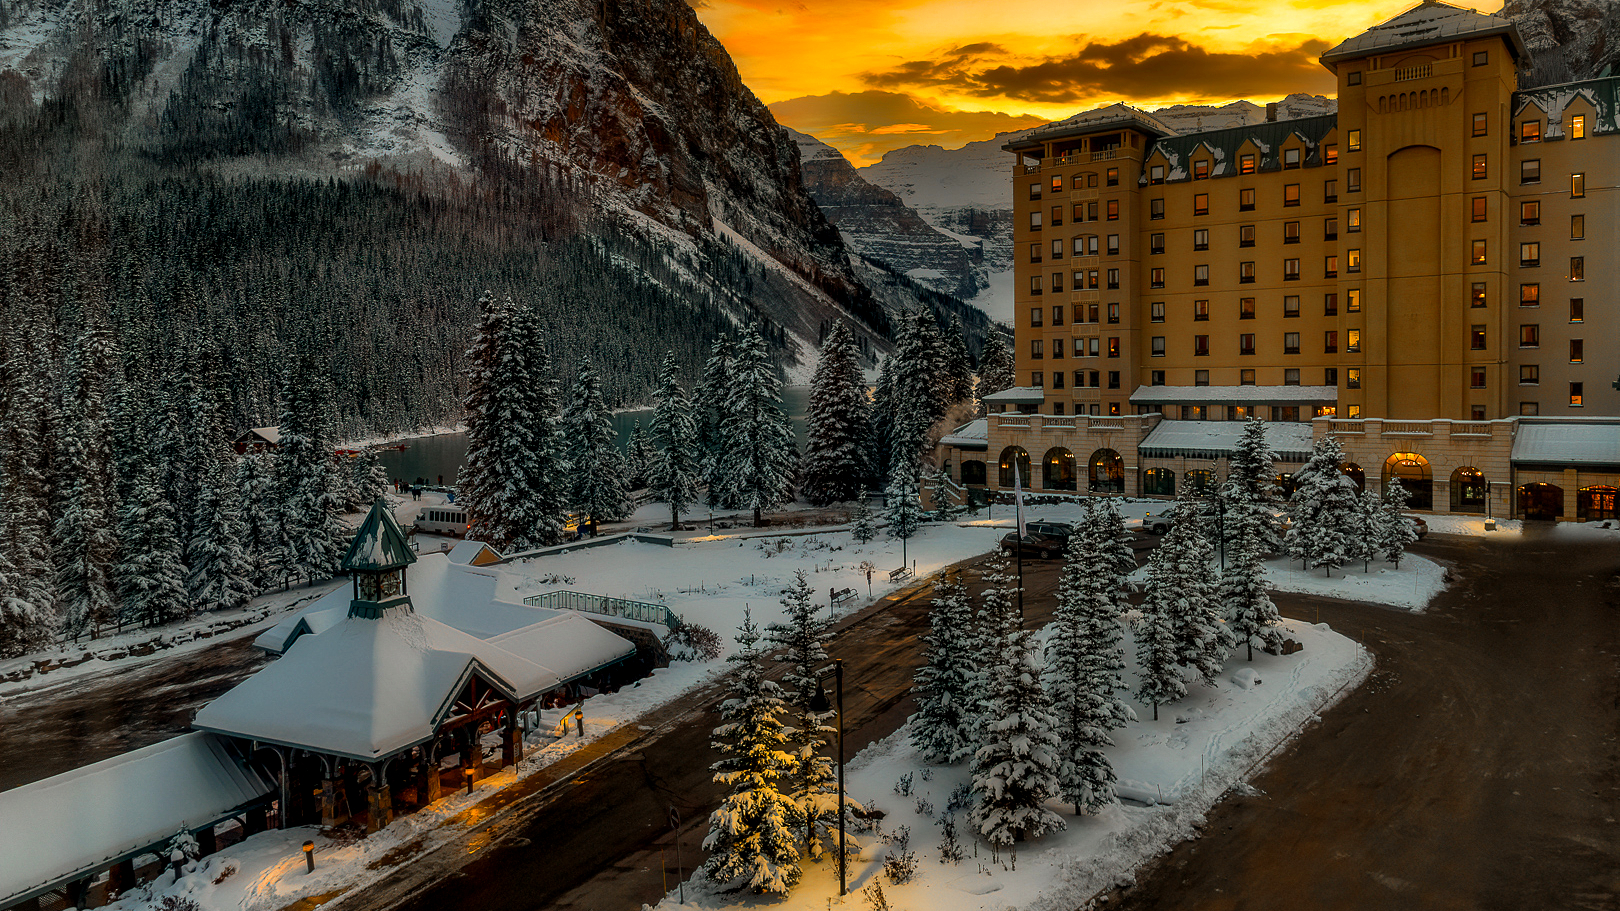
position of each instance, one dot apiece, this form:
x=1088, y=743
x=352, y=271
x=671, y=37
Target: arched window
x=1200, y=482
x=1413, y=471
x=1009, y=457
x=972, y=472
x=1057, y=469
x=1595, y=503
x=1353, y=472
x=1106, y=472
x=1541, y=500
x=1468, y=489
x=1159, y=482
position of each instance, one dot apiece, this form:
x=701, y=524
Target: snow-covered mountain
x=1568, y=39
x=877, y=225
x=967, y=192
x=631, y=104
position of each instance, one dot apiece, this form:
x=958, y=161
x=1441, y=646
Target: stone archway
x=1468, y=489
x=1057, y=469
x=1412, y=470
x=1106, y=472
x=973, y=472
x=1541, y=501
x=1159, y=482
x=1014, y=455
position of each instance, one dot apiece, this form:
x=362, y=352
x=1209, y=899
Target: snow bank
x=1471, y=525
x=1411, y=587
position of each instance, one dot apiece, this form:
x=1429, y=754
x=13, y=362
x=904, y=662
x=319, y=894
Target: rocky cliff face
x=877, y=225
x=632, y=103
x=1569, y=40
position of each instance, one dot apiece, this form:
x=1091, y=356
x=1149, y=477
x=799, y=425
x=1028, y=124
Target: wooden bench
x=896, y=575
x=840, y=595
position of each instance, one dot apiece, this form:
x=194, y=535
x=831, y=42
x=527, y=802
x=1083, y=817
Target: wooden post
x=380, y=806
x=432, y=786
x=207, y=842
x=511, y=741
x=472, y=752
x=329, y=789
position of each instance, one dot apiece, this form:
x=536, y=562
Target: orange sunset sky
x=867, y=78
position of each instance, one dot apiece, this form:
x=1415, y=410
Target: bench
x=840, y=595
x=896, y=575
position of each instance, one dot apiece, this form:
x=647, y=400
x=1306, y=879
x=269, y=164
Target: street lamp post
x=819, y=704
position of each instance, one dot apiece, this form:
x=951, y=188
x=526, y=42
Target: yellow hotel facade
x=1430, y=275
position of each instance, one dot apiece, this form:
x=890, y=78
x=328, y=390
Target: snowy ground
x=1171, y=770
x=1411, y=586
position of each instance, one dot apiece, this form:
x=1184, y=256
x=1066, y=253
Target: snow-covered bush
x=901, y=863
x=691, y=642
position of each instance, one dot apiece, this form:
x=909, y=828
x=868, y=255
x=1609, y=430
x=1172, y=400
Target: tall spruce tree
x=596, y=471
x=710, y=400
x=639, y=454
x=1158, y=662
x=26, y=416
x=958, y=365
x=1202, y=641
x=1322, y=510
x=944, y=729
x=813, y=783
x=262, y=541
x=1250, y=491
x=1086, y=666
x=311, y=527
x=84, y=532
x=1366, y=528
x=1015, y=765
x=838, y=423
x=902, y=505
x=759, y=453
x=997, y=370
x=676, y=473
x=151, y=577
x=21, y=629
x=752, y=834
x=919, y=395
x=1250, y=613
x=1395, y=530
x=220, y=574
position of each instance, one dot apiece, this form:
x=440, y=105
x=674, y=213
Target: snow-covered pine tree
x=958, y=366
x=21, y=630
x=84, y=532
x=1321, y=510
x=368, y=478
x=312, y=530
x=902, y=507
x=1202, y=641
x=881, y=414
x=1086, y=666
x=151, y=577
x=861, y=526
x=759, y=454
x=220, y=574
x=26, y=416
x=837, y=423
x=1114, y=539
x=1157, y=659
x=676, y=472
x=595, y=469
x=918, y=397
x=1250, y=490
x=944, y=729
x=752, y=834
x=813, y=784
x=639, y=455
x=262, y=541
x=1367, y=528
x=1015, y=766
x=945, y=506
x=1395, y=531
x=998, y=605
x=709, y=402
x=1250, y=614
x=997, y=370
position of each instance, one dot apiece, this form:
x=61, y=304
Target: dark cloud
x=1146, y=66
x=864, y=125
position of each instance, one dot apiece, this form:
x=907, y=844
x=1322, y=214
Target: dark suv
x=1042, y=539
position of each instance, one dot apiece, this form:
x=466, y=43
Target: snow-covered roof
x=1217, y=440
x=1017, y=395
x=473, y=553
x=379, y=543
x=1590, y=442
x=65, y=826
x=1429, y=22
x=1107, y=116
x=972, y=435
x=368, y=688
x=271, y=435
x=1238, y=395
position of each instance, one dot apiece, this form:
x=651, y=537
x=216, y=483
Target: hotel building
x=1429, y=275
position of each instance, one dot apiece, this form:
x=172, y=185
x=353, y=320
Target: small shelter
x=384, y=705
x=258, y=439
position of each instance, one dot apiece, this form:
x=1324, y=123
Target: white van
x=444, y=519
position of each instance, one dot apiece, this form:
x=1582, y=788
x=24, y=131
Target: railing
x=1057, y=423
x=1409, y=428
x=1470, y=429
x=1085, y=262
x=642, y=611
x=1344, y=427
x=1085, y=297
x=1421, y=71
x=1098, y=425
x=1104, y=155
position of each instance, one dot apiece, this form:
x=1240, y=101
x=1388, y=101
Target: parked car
x=1042, y=545
x=1419, y=526
x=1159, y=522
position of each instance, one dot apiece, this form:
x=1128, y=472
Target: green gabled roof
x=1224, y=144
x=379, y=543
x=1603, y=94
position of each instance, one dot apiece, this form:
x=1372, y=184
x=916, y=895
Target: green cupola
x=376, y=561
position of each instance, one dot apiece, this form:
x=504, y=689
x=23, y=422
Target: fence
x=643, y=611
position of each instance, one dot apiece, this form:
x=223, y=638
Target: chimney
x=1271, y=112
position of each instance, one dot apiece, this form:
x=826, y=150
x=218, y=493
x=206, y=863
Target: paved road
x=1479, y=768
x=62, y=726
x=601, y=840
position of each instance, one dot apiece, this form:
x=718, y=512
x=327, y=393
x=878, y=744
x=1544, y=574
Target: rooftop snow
x=74, y=823
x=1092, y=121
x=1237, y=395
x=972, y=435
x=1217, y=439
x=1427, y=23
x=1017, y=395
x=1567, y=442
